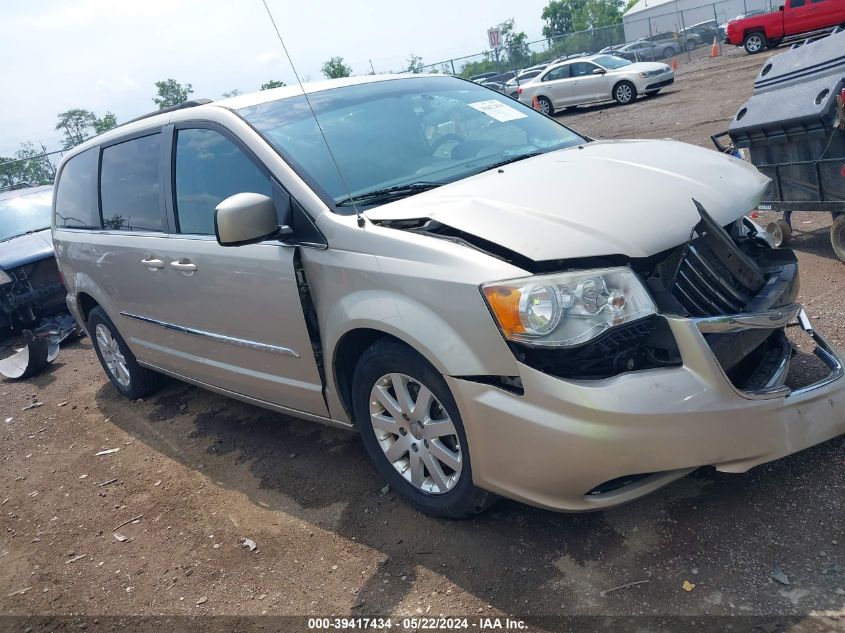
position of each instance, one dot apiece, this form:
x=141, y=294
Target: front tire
x=412, y=430
x=119, y=363
x=668, y=52
x=625, y=93
x=754, y=43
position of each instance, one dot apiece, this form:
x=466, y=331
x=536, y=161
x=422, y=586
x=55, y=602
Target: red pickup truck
x=794, y=17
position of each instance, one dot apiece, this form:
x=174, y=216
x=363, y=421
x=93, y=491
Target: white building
x=649, y=17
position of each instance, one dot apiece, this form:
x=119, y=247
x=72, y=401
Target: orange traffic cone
x=714, y=50
x=535, y=103
x=674, y=63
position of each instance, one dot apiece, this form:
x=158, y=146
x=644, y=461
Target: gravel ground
x=201, y=472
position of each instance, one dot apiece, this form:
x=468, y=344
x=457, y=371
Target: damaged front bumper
x=559, y=444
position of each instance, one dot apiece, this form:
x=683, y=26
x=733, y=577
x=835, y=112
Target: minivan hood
x=632, y=198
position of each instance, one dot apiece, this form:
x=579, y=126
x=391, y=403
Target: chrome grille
x=705, y=287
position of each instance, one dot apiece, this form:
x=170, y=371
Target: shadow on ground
x=724, y=532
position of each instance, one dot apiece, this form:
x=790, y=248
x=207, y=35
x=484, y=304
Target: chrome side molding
x=231, y=340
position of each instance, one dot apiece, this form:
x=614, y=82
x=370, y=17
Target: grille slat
x=711, y=276
x=740, y=298
x=707, y=291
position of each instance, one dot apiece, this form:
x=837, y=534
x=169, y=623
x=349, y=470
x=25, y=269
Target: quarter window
x=209, y=169
x=129, y=185
x=76, y=194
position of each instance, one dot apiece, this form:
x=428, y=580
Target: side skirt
x=253, y=401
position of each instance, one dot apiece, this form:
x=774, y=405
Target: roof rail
x=179, y=106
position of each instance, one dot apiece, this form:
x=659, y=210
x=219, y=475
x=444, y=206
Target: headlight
x=566, y=309
x=652, y=73
x=4, y=278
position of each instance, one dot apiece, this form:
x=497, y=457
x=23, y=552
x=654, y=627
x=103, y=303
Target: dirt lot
x=202, y=472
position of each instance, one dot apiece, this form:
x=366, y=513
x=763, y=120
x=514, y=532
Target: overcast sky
x=106, y=54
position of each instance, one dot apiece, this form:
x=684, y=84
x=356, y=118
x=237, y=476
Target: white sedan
x=595, y=78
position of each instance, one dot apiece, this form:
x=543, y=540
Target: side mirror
x=245, y=218
x=780, y=8
x=599, y=71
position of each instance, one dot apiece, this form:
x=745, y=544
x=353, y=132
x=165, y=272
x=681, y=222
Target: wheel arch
x=345, y=358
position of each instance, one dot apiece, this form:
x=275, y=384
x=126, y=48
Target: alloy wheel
x=754, y=43
x=416, y=433
x=544, y=106
x=623, y=93
x=113, y=358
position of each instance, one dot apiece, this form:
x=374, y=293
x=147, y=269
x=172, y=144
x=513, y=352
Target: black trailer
x=793, y=127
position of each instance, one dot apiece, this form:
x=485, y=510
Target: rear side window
x=209, y=169
x=562, y=72
x=76, y=193
x=129, y=185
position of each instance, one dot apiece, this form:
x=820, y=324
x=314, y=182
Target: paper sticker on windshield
x=497, y=110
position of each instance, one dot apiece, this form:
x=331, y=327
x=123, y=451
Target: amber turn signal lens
x=505, y=305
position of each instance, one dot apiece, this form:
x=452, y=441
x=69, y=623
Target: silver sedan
x=595, y=78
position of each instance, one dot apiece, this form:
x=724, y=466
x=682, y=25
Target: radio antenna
x=314, y=114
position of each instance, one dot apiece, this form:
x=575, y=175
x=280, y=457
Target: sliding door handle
x=184, y=265
x=152, y=263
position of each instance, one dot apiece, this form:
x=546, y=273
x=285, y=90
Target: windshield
x=25, y=213
x=611, y=62
x=389, y=134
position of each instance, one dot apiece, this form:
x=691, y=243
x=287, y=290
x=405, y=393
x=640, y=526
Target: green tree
x=105, y=122
x=76, y=125
x=515, y=43
x=273, y=83
x=596, y=14
x=335, y=68
x=415, y=64
x=171, y=93
x=28, y=165
x=558, y=17
x=566, y=16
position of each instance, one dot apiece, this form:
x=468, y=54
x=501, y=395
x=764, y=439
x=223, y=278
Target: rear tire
x=124, y=372
x=754, y=43
x=546, y=106
x=625, y=93
x=837, y=237
x=403, y=434
x=690, y=45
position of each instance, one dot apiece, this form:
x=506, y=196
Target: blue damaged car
x=30, y=284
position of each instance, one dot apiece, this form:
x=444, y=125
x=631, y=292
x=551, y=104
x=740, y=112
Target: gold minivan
x=500, y=305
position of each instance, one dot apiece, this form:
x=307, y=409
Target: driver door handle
x=184, y=265
x=152, y=263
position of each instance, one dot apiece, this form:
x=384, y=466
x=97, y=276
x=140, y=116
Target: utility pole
x=372, y=67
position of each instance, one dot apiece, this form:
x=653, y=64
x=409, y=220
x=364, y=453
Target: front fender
x=476, y=349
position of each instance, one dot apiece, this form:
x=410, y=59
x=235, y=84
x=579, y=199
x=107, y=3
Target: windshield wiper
x=513, y=159
x=388, y=194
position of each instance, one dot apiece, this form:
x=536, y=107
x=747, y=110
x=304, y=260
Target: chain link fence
x=688, y=32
